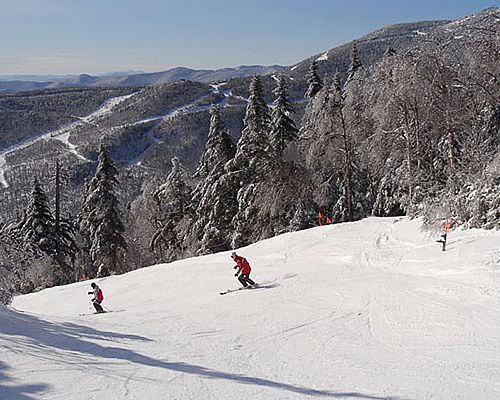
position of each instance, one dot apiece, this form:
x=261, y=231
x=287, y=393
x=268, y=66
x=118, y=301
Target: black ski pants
x=98, y=306
x=245, y=280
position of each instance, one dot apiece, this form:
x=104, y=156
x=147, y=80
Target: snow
x=417, y=32
x=3, y=163
x=323, y=57
x=187, y=109
x=62, y=134
x=294, y=67
x=459, y=21
x=366, y=310
x=216, y=86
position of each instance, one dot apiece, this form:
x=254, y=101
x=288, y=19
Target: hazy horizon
x=58, y=38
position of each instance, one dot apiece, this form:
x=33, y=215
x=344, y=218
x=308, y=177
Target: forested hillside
x=405, y=120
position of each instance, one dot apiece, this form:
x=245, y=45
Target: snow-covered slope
x=368, y=310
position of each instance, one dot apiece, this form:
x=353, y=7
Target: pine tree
x=173, y=200
x=64, y=227
x=220, y=147
x=283, y=128
x=213, y=200
x=355, y=62
x=39, y=233
x=254, y=161
x=101, y=216
x=37, y=228
x=313, y=81
x=252, y=151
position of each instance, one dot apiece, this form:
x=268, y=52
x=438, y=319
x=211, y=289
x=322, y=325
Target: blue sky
x=94, y=36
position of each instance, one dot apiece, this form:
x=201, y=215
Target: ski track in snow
x=366, y=310
x=62, y=134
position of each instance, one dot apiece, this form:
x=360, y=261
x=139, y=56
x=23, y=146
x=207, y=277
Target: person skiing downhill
x=244, y=270
x=98, y=297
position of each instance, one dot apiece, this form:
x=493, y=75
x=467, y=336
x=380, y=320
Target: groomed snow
x=366, y=310
x=323, y=57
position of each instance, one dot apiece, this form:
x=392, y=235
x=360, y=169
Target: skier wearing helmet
x=98, y=297
x=243, y=270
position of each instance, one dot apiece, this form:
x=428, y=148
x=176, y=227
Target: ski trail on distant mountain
x=190, y=108
x=62, y=134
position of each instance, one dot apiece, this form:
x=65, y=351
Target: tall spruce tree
x=355, y=62
x=313, y=81
x=64, y=227
x=254, y=161
x=37, y=228
x=283, y=128
x=39, y=233
x=173, y=200
x=213, y=200
x=262, y=185
x=101, y=216
x=219, y=148
x=252, y=152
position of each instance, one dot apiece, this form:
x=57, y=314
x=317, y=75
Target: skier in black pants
x=243, y=267
x=98, y=297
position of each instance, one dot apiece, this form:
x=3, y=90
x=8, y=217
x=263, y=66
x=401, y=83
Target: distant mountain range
x=71, y=117
x=17, y=83
x=373, y=46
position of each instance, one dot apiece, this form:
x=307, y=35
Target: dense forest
x=415, y=133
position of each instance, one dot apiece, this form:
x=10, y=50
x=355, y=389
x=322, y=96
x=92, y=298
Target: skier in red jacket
x=98, y=297
x=243, y=270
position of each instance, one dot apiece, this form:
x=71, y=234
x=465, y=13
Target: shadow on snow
x=44, y=335
x=21, y=392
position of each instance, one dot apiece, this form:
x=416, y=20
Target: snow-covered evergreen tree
x=37, y=229
x=253, y=149
x=283, y=128
x=173, y=199
x=314, y=83
x=39, y=234
x=64, y=229
x=219, y=148
x=355, y=62
x=254, y=161
x=214, y=201
x=101, y=216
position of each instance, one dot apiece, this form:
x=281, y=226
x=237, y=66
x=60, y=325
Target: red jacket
x=242, y=264
x=98, y=296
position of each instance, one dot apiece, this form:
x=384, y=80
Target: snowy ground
x=369, y=310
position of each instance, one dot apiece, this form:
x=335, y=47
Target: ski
x=105, y=312
x=241, y=288
x=94, y=313
x=232, y=290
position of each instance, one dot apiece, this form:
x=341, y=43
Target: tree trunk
x=347, y=168
x=409, y=159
